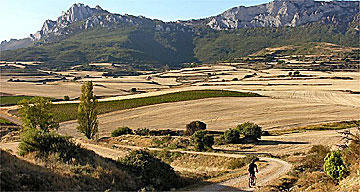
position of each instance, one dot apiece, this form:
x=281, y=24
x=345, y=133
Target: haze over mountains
x=83, y=34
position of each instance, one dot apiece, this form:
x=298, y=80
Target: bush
x=121, y=131
x=35, y=114
x=153, y=173
x=66, y=98
x=232, y=136
x=194, y=126
x=47, y=143
x=334, y=165
x=251, y=131
x=202, y=141
x=241, y=162
x=314, y=161
x=142, y=131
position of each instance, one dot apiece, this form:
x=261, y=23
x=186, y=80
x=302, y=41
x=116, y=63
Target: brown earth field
x=222, y=114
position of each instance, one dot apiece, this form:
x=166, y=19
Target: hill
x=82, y=35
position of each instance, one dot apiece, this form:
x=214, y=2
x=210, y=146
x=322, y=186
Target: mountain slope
x=82, y=34
x=15, y=44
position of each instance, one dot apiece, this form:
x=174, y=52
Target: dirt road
x=273, y=170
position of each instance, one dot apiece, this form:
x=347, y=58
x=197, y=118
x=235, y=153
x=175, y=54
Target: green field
x=12, y=100
x=5, y=122
x=65, y=112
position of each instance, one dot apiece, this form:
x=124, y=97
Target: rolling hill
x=82, y=35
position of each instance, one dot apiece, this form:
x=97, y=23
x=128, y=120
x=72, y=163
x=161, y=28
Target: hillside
x=82, y=35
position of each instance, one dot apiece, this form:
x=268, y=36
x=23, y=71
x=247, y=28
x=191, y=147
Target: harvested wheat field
x=222, y=114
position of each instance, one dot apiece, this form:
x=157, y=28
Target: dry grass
x=26, y=174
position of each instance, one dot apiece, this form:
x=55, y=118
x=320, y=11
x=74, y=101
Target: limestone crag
x=281, y=13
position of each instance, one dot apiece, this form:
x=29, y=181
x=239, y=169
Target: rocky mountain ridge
x=282, y=13
x=274, y=14
x=277, y=13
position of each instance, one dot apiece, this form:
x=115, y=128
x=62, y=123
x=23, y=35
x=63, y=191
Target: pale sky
x=20, y=18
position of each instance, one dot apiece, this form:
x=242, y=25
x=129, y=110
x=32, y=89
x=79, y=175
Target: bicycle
x=252, y=181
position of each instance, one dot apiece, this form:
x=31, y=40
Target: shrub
x=202, y=141
x=232, y=136
x=240, y=162
x=314, y=161
x=121, y=131
x=334, y=165
x=251, y=131
x=66, y=98
x=142, y=131
x=167, y=156
x=151, y=171
x=194, y=126
x=47, y=143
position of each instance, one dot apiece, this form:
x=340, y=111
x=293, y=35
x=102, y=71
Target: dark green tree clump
x=35, y=114
x=151, y=171
x=87, y=113
x=250, y=131
x=202, y=141
x=194, y=126
x=38, y=135
x=121, y=131
x=46, y=143
x=232, y=136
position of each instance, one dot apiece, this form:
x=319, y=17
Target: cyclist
x=252, y=169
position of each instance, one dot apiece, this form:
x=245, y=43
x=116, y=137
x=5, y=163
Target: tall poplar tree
x=87, y=113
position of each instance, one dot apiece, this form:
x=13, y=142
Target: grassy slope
x=65, y=112
x=130, y=45
x=147, y=48
x=20, y=175
x=213, y=46
x=12, y=100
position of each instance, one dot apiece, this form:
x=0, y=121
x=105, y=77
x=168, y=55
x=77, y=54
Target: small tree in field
x=194, y=126
x=232, y=136
x=202, y=141
x=36, y=114
x=250, y=131
x=87, y=113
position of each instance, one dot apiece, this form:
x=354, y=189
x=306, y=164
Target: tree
x=153, y=173
x=36, y=114
x=202, y=141
x=121, y=131
x=87, y=113
x=232, y=136
x=194, y=126
x=334, y=165
x=66, y=98
x=250, y=131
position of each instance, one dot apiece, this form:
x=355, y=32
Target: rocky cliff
x=282, y=13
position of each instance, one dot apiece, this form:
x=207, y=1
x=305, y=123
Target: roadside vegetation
x=65, y=165
x=66, y=112
x=323, y=169
x=5, y=122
